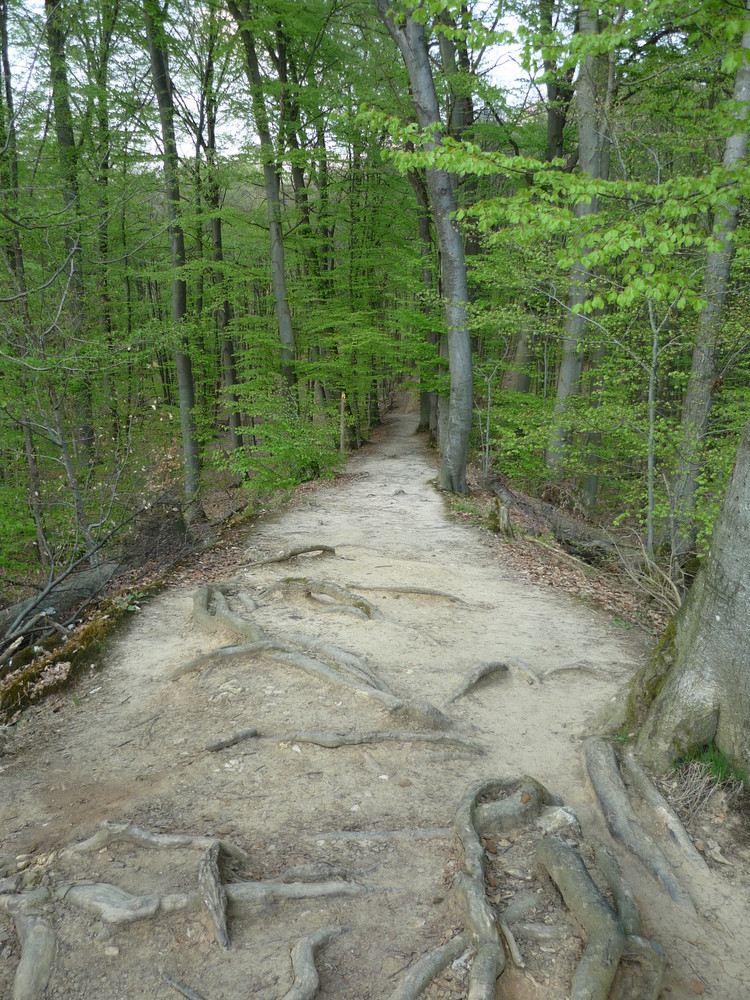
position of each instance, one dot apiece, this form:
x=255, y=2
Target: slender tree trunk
x=68, y=158
x=241, y=13
x=593, y=156
x=703, y=373
x=162, y=86
x=409, y=36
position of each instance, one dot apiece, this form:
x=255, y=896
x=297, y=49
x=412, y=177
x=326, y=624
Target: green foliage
x=716, y=763
x=519, y=428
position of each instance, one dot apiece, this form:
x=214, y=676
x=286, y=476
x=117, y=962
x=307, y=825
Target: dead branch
x=605, y=937
x=424, y=971
x=482, y=671
x=286, y=554
x=306, y=979
x=601, y=764
x=213, y=894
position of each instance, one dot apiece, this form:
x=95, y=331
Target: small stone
x=404, y=782
x=111, y=951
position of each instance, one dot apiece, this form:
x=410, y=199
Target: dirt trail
x=129, y=745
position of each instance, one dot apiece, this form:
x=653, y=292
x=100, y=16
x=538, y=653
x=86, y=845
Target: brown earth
x=127, y=744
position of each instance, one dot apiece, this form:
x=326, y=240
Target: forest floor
x=369, y=825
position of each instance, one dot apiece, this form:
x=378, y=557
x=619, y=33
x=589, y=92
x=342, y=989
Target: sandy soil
x=128, y=744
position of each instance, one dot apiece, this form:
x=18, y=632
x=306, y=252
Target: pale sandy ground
x=128, y=744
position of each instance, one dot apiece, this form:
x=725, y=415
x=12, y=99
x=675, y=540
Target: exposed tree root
x=653, y=962
x=213, y=894
x=286, y=554
x=627, y=908
x=37, y=943
x=523, y=671
x=181, y=987
x=335, y=740
x=665, y=815
x=114, y=905
x=482, y=671
x=523, y=799
x=306, y=979
x=232, y=740
x=419, y=591
x=605, y=936
x=212, y=596
x=109, y=833
x=539, y=932
x=510, y=944
x=341, y=656
x=337, y=671
x=424, y=971
x=622, y=821
x=322, y=588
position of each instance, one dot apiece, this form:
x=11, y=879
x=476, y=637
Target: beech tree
x=696, y=689
x=409, y=35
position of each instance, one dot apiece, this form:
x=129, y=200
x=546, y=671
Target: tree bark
x=68, y=158
x=241, y=14
x=163, y=89
x=696, y=690
x=703, y=373
x=593, y=147
x=409, y=36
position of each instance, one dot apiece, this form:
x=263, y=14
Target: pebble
x=111, y=951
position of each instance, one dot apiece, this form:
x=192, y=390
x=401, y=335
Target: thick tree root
x=114, y=905
x=627, y=908
x=213, y=894
x=306, y=979
x=335, y=740
x=605, y=936
x=222, y=615
x=337, y=671
x=666, y=817
x=286, y=554
x=653, y=963
x=622, y=821
x=110, y=833
x=323, y=589
x=424, y=971
x=485, y=670
x=343, y=657
x=37, y=943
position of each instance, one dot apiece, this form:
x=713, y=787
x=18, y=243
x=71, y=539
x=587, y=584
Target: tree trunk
x=703, y=373
x=696, y=689
x=409, y=36
x=241, y=14
x=593, y=155
x=427, y=398
x=68, y=157
x=183, y=365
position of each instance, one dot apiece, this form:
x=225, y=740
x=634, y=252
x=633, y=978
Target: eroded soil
x=128, y=745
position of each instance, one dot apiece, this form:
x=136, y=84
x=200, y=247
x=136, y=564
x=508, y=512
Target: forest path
x=129, y=746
